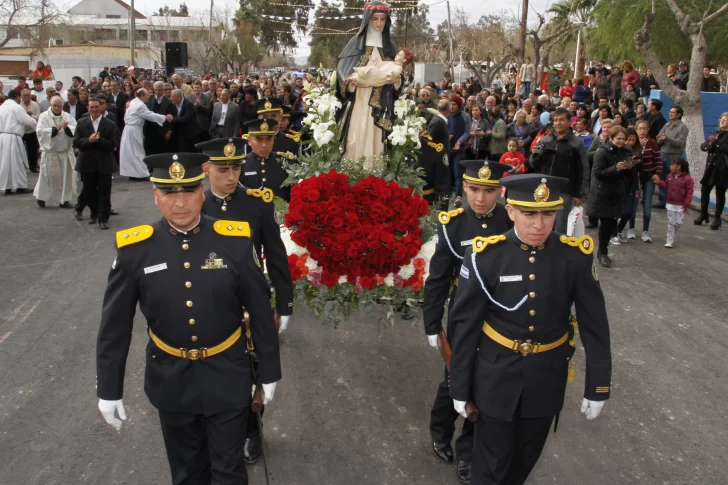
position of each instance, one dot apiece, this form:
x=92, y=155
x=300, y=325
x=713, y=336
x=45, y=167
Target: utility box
x=425, y=73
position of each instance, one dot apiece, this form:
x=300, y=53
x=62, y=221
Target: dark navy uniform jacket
x=527, y=293
x=266, y=235
x=191, y=289
x=456, y=231
x=268, y=172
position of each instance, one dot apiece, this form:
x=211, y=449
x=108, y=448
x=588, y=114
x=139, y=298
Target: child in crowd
x=629, y=93
x=581, y=131
x=679, y=185
x=514, y=157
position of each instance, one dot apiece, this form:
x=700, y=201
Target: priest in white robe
x=131, y=156
x=14, y=123
x=57, y=179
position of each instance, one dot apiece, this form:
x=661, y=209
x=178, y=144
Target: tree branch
x=715, y=15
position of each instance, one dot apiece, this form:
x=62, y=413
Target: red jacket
x=679, y=189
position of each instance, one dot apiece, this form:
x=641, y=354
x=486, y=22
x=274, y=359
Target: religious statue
x=368, y=80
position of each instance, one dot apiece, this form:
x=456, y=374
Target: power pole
x=406, y=16
x=524, y=21
x=449, y=29
x=132, y=34
x=212, y=4
x=42, y=24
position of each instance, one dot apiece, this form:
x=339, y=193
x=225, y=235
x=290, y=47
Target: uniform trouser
x=443, y=414
x=504, y=452
x=206, y=450
x=96, y=193
x=32, y=146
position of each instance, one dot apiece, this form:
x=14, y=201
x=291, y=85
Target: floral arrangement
x=357, y=237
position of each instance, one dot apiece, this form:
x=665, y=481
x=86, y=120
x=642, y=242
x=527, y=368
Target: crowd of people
x=607, y=136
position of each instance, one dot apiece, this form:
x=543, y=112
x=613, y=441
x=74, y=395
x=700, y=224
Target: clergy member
x=132, y=138
x=14, y=122
x=57, y=180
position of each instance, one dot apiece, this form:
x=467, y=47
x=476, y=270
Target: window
x=113, y=16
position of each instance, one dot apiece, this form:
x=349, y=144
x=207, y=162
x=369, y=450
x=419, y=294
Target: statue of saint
x=368, y=80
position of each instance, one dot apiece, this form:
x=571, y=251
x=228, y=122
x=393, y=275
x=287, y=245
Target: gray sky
x=438, y=10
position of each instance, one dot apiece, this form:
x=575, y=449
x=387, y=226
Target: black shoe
x=252, y=450
x=77, y=214
x=92, y=221
x=104, y=225
x=443, y=451
x=22, y=191
x=65, y=205
x=41, y=203
x=715, y=225
x=605, y=261
x=701, y=218
x=112, y=212
x=8, y=192
x=463, y=471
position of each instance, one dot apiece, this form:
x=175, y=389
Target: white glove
x=591, y=408
x=285, y=320
x=269, y=391
x=108, y=408
x=460, y=407
x=432, y=339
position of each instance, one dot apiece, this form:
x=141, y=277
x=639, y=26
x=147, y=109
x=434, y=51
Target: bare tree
x=24, y=19
x=542, y=37
x=688, y=99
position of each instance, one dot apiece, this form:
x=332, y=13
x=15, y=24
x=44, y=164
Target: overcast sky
x=438, y=10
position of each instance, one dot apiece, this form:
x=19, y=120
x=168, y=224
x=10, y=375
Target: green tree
x=419, y=30
x=276, y=35
x=329, y=36
x=574, y=18
x=173, y=12
x=617, y=21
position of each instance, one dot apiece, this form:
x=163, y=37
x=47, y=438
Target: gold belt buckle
x=525, y=348
x=194, y=354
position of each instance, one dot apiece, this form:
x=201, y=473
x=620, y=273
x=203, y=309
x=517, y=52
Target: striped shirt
x=651, y=159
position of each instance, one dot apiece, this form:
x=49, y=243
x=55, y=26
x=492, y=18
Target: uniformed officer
x=272, y=109
x=191, y=276
x=288, y=121
x=514, y=339
x=434, y=161
x=483, y=217
x=263, y=167
x=229, y=198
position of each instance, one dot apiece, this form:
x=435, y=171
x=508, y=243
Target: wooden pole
x=406, y=16
x=132, y=34
x=449, y=29
x=524, y=22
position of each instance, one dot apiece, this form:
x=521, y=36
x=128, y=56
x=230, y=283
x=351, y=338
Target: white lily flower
x=398, y=135
x=400, y=108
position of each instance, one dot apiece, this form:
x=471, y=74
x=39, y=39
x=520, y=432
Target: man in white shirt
x=46, y=103
x=31, y=139
x=38, y=90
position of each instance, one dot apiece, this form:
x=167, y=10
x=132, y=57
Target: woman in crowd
x=247, y=106
x=650, y=164
x=127, y=86
x=581, y=112
x=630, y=75
x=581, y=92
x=498, y=141
x=511, y=107
x=267, y=92
x=567, y=90
x=641, y=111
x=716, y=173
x=619, y=119
x=83, y=95
x=519, y=130
x=595, y=124
x=41, y=72
x=607, y=193
x=479, y=133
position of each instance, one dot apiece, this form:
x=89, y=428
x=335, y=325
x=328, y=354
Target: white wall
x=100, y=8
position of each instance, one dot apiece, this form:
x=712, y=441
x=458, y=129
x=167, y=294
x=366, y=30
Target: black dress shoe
x=252, y=450
x=104, y=225
x=715, y=225
x=8, y=192
x=77, y=214
x=92, y=221
x=41, y=203
x=112, y=212
x=605, y=261
x=443, y=451
x=701, y=218
x=463, y=471
x=22, y=191
x=65, y=205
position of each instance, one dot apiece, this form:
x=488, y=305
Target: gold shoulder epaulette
x=437, y=146
x=584, y=243
x=232, y=228
x=133, y=235
x=288, y=155
x=296, y=137
x=265, y=194
x=444, y=217
x=479, y=243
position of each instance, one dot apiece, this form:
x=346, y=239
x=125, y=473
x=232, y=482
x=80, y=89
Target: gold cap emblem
x=177, y=171
x=229, y=150
x=484, y=173
x=267, y=105
x=542, y=193
x=264, y=126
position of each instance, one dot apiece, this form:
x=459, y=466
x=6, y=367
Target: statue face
x=378, y=21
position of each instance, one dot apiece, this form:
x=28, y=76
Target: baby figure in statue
x=386, y=72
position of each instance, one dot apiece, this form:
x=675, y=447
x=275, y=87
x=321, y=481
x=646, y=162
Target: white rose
x=389, y=280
